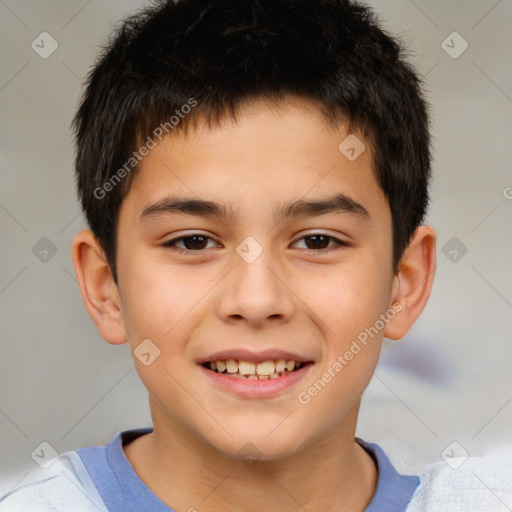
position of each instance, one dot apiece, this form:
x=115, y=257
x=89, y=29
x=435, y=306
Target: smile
x=241, y=369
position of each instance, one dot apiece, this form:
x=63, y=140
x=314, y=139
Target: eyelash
x=171, y=244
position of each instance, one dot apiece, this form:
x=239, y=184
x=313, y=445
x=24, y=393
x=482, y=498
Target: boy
x=255, y=176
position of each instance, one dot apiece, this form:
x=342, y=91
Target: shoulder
x=471, y=484
x=64, y=486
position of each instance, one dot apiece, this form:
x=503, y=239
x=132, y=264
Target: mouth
x=268, y=369
x=266, y=374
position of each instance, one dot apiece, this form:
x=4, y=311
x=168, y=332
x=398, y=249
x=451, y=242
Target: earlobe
x=97, y=287
x=413, y=281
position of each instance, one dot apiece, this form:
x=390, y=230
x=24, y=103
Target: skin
x=191, y=305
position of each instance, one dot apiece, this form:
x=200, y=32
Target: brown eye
x=320, y=243
x=191, y=243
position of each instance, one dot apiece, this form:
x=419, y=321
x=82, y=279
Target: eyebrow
x=339, y=203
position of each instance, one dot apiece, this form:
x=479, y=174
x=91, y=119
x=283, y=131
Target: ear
x=99, y=291
x=413, y=282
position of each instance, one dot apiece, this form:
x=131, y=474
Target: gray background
x=448, y=380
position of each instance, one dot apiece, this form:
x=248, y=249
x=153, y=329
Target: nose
x=255, y=292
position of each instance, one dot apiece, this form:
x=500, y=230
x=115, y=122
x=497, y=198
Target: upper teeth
x=242, y=367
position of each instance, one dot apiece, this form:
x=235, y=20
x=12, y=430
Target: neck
x=333, y=473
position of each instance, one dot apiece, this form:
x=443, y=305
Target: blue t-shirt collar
x=123, y=491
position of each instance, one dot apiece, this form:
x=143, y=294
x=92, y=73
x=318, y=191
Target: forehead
x=275, y=158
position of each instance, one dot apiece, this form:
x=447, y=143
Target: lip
x=251, y=389
x=253, y=357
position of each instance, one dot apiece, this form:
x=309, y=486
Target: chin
x=254, y=444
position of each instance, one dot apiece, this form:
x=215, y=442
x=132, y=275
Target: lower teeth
x=255, y=377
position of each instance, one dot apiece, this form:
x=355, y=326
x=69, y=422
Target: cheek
x=162, y=302
x=348, y=300
x=159, y=305
x=350, y=309
x=153, y=294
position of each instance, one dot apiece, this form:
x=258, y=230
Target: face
x=254, y=286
